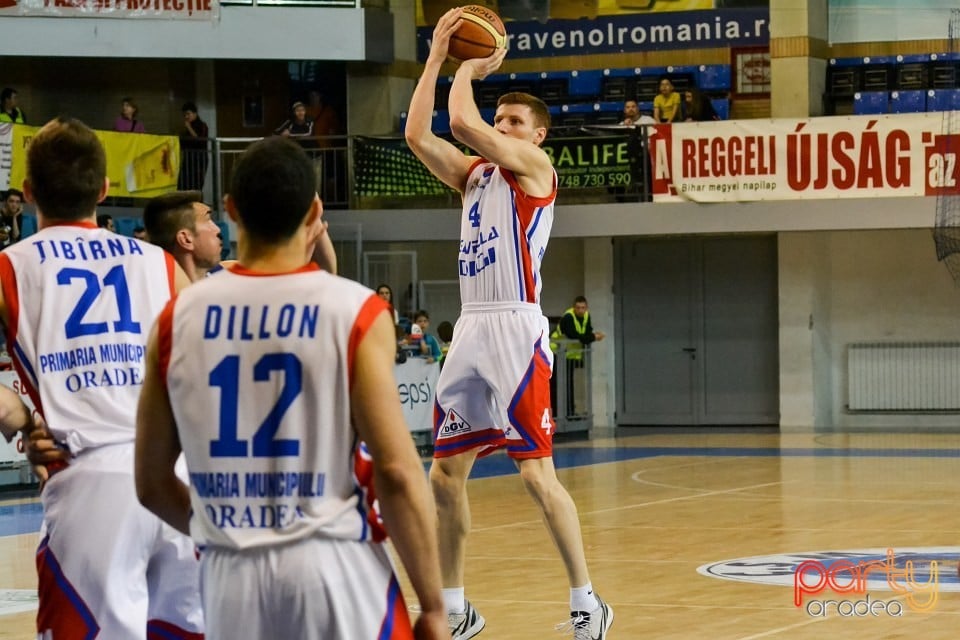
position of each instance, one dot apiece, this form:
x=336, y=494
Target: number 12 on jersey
x=226, y=375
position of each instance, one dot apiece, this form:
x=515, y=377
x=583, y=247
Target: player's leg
x=92, y=562
x=530, y=444
x=464, y=426
x=448, y=479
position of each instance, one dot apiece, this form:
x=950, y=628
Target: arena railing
x=595, y=164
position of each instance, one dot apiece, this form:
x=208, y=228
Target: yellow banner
x=139, y=165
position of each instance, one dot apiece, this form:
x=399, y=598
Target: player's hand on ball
x=445, y=28
x=482, y=67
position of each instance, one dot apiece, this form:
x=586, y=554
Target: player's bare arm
x=443, y=159
x=157, y=447
x=523, y=157
x=405, y=498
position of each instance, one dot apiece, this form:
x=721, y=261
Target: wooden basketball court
x=656, y=507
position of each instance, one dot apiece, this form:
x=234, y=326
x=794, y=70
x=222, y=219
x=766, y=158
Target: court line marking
x=635, y=505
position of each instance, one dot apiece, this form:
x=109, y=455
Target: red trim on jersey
x=11, y=298
x=165, y=339
x=8, y=283
x=374, y=306
x=243, y=271
x=171, y=273
x=535, y=201
x=86, y=224
x=526, y=207
x=476, y=163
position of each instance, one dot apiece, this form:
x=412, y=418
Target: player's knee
x=447, y=487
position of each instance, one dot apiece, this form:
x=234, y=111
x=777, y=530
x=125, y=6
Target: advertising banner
x=629, y=33
x=785, y=159
x=130, y=9
x=417, y=382
x=387, y=167
x=138, y=165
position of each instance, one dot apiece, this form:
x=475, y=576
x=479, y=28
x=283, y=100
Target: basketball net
x=946, y=230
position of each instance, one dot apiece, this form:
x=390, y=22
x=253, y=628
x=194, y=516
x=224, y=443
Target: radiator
x=903, y=376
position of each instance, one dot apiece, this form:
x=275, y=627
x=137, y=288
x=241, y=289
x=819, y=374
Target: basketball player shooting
x=508, y=199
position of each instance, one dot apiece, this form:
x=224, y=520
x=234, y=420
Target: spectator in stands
x=140, y=233
x=445, y=333
x=297, y=126
x=632, y=115
x=385, y=292
x=429, y=345
x=193, y=150
x=324, y=118
x=11, y=218
x=105, y=221
x=9, y=111
x=127, y=121
x=666, y=106
x=697, y=107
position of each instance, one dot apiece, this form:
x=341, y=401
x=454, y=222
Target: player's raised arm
x=158, y=446
x=405, y=499
x=319, y=245
x=443, y=159
x=523, y=157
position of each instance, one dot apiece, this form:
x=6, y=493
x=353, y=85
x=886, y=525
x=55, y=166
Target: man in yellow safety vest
x=575, y=325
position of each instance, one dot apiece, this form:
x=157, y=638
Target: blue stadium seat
x=441, y=121
x=846, y=62
x=225, y=237
x=914, y=101
x=28, y=225
x=943, y=100
x=714, y=77
x=585, y=84
x=722, y=107
x=125, y=226
x=870, y=102
x=583, y=107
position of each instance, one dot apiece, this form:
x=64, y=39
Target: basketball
x=480, y=33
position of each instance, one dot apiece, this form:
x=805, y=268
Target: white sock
x=454, y=600
x=583, y=599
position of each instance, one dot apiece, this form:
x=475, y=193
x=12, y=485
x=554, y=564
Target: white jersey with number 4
x=503, y=237
x=258, y=368
x=81, y=301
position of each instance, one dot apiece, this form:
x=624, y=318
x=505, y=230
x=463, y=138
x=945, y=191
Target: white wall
x=252, y=33
x=835, y=287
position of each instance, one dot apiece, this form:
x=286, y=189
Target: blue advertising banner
x=629, y=33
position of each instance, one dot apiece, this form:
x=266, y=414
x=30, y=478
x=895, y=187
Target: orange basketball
x=480, y=33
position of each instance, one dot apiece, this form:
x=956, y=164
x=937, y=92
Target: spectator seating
x=907, y=79
x=592, y=96
x=943, y=100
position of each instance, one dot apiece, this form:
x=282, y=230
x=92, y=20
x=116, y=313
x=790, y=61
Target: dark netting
x=946, y=230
